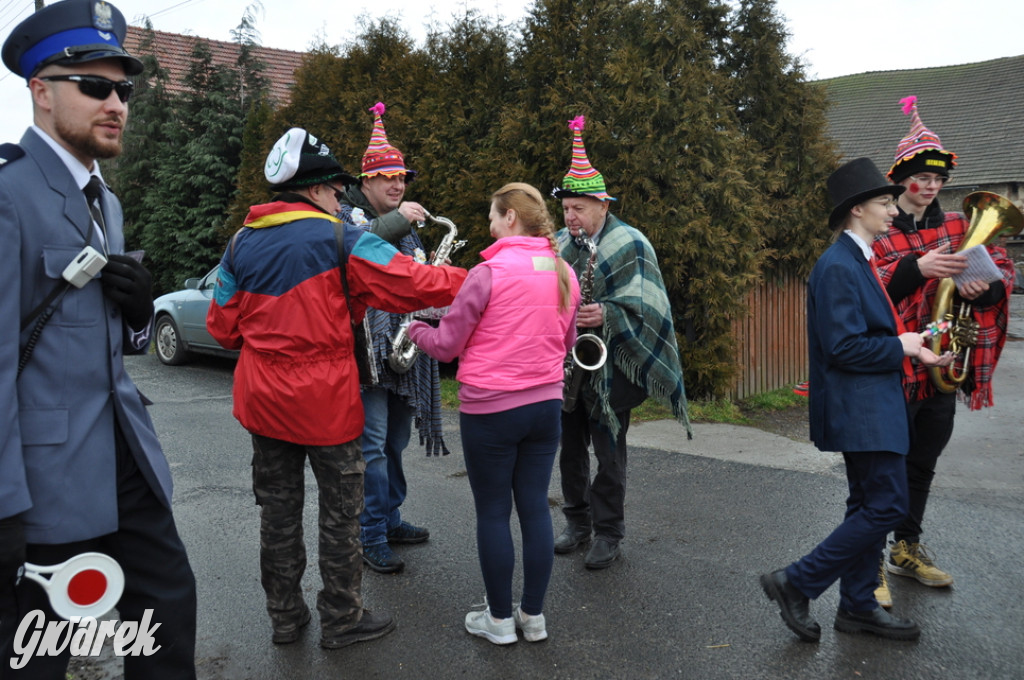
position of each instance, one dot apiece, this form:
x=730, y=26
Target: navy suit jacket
x=855, y=356
x=57, y=457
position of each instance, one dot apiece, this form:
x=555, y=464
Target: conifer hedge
x=704, y=128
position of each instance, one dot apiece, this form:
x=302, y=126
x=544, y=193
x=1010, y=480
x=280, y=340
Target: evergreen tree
x=784, y=116
x=670, y=148
x=133, y=174
x=461, y=160
x=195, y=155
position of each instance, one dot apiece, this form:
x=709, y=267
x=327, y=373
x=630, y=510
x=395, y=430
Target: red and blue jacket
x=279, y=299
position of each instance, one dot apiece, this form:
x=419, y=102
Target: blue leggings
x=510, y=454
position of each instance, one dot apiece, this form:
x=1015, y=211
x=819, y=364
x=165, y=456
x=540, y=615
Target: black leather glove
x=12, y=549
x=129, y=284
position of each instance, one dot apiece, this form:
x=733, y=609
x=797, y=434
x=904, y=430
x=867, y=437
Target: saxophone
x=589, y=352
x=403, y=351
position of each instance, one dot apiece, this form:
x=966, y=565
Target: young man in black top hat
x=858, y=353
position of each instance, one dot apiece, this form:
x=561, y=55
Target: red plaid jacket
x=916, y=309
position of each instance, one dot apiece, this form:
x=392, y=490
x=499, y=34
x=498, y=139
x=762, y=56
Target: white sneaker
x=533, y=628
x=501, y=632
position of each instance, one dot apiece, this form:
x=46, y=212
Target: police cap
x=67, y=33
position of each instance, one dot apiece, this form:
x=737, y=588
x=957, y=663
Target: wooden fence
x=771, y=342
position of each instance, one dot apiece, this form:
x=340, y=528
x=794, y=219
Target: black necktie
x=92, y=193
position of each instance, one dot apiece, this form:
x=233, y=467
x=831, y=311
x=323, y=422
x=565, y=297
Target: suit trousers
x=157, y=577
x=850, y=554
x=599, y=504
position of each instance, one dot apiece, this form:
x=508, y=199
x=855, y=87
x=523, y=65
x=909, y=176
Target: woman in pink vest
x=511, y=326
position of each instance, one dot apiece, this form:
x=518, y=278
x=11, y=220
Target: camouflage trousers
x=278, y=480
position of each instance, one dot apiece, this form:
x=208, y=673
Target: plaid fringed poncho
x=421, y=385
x=916, y=309
x=638, y=329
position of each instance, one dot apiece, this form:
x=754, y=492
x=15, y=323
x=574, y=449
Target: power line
x=17, y=16
x=168, y=9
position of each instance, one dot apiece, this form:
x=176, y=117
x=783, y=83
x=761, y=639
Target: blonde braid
x=536, y=221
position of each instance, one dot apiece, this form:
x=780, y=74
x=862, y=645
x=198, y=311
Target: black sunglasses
x=98, y=87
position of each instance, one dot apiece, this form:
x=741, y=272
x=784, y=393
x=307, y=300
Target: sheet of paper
x=980, y=266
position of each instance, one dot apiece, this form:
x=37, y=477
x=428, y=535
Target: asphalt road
x=704, y=519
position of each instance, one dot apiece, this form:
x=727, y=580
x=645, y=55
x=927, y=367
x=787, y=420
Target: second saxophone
x=589, y=353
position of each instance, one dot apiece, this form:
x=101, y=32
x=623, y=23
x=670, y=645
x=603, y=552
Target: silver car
x=181, y=322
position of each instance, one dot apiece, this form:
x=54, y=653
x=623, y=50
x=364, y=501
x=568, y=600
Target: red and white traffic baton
x=89, y=584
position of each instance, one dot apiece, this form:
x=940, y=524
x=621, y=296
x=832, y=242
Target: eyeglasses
x=937, y=179
x=886, y=203
x=98, y=87
x=339, y=195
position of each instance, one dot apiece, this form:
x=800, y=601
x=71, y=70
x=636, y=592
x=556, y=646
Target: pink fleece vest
x=520, y=340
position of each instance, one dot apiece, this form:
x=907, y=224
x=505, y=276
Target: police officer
x=80, y=466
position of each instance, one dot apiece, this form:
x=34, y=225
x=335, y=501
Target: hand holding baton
x=936, y=328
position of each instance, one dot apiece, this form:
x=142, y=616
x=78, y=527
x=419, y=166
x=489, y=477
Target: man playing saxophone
x=630, y=312
x=376, y=205
x=919, y=251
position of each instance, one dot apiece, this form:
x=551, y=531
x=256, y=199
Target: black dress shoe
x=601, y=554
x=571, y=538
x=793, y=605
x=877, y=621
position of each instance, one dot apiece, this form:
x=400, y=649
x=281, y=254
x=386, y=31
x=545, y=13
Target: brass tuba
x=990, y=215
x=403, y=352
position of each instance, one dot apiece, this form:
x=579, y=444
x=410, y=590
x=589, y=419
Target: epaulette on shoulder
x=10, y=152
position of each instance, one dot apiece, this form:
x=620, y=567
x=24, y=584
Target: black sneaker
x=370, y=627
x=407, y=533
x=381, y=559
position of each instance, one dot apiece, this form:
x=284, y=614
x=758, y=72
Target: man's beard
x=85, y=142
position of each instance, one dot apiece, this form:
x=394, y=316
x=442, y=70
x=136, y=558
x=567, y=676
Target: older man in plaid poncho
x=631, y=313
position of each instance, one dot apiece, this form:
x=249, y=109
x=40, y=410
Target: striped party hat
x=583, y=179
x=921, y=150
x=380, y=157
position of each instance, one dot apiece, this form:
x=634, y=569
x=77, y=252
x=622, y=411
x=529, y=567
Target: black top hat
x=67, y=33
x=854, y=183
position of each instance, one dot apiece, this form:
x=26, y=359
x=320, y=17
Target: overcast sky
x=832, y=37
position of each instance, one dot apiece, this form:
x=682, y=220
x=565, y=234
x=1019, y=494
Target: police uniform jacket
x=57, y=455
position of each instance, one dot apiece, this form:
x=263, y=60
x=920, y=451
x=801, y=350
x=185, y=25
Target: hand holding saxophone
x=590, y=316
x=412, y=211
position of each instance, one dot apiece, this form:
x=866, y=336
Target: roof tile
x=975, y=109
x=174, y=52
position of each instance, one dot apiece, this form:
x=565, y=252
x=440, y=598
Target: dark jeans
x=509, y=455
x=876, y=504
x=278, y=480
x=157, y=576
x=931, y=425
x=600, y=503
